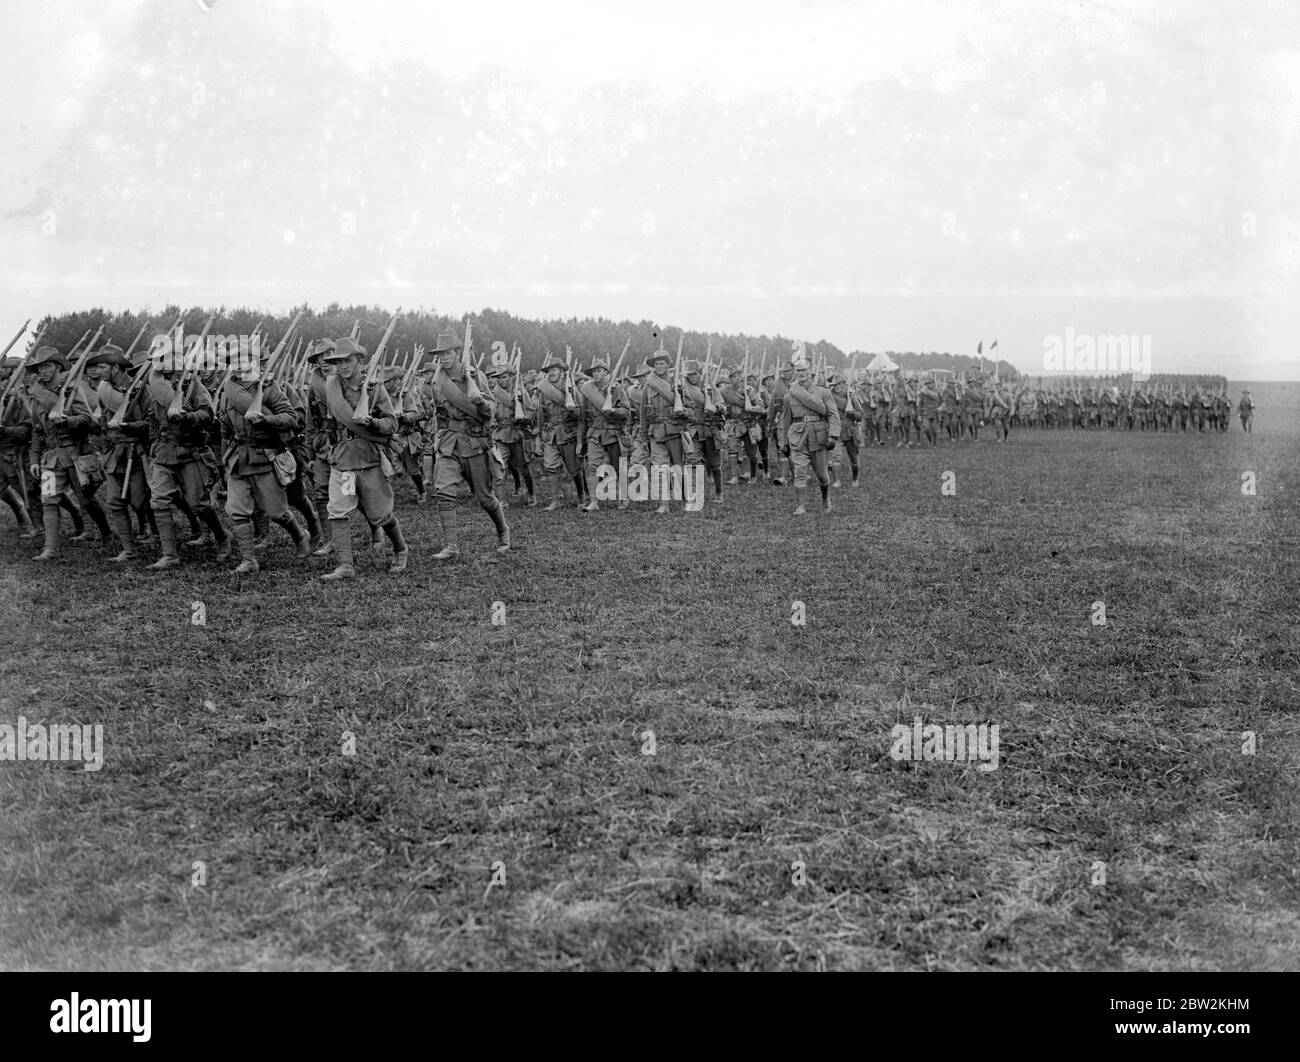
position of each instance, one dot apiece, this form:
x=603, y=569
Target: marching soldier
x=927, y=411
x=640, y=452
x=1246, y=410
x=560, y=432
x=15, y=435
x=58, y=440
x=359, y=462
x=810, y=426
x=848, y=441
x=705, y=424
x=464, y=446
x=602, y=427
x=661, y=426
x=408, y=441
x=257, y=462
x=775, y=419
x=510, y=432
x=182, y=469
x=127, y=443
x=735, y=430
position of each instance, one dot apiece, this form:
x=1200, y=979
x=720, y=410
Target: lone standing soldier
x=811, y=424
x=464, y=413
x=1246, y=409
x=358, y=476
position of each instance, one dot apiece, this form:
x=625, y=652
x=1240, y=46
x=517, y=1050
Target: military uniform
x=811, y=425
x=15, y=436
x=661, y=426
x=126, y=446
x=705, y=428
x=850, y=415
x=359, y=463
x=59, y=452
x=463, y=445
x=560, y=430
x=258, y=464
x=510, y=433
x=602, y=428
x=182, y=467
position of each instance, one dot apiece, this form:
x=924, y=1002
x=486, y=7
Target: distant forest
x=587, y=336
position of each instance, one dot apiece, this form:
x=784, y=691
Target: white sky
x=911, y=176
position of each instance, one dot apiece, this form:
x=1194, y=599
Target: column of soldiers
x=151, y=440
x=126, y=451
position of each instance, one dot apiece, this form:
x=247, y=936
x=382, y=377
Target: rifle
x=608, y=405
x=679, y=406
x=177, y=404
x=17, y=336
x=472, y=391
x=267, y=372
x=372, y=369
x=849, y=407
x=60, y=407
x=744, y=384
x=570, y=399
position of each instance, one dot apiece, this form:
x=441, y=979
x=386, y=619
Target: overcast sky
x=914, y=176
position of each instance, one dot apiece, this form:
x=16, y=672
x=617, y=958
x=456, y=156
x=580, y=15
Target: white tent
x=882, y=363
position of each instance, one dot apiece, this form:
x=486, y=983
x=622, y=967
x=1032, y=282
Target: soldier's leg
x=818, y=459
x=733, y=460
x=296, y=492
x=86, y=487
x=197, y=478
x=851, y=448
x=241, y=507
x=833, y=463
x=660, y=459
x=320, y=496
x=552, y=465
x=164, y=491
x=800, y=462
x=273, y=499
x=119, y=514
x=375, y=495
x=519, y=465
x=448, y=482
x=16, y=502
x=480, y=481
x=54, y=485
x=68, y=503
x=342, y=503
x=713, y=462
x=598, y=458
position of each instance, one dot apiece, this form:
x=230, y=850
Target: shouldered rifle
x=372, y=368
x=679, y=406
x=191, y=367
x=61, y=403
x=608, y=405
x=472, y=391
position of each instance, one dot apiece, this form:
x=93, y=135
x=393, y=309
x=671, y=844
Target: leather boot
x=225, y=543
x=246, y=537
x=122, y=525
x=167, y=537
x=450, y=531
x=400, y=553
x=341, y=533
x=301, y=540
x=50, y=518
x=325, y=545
x=25, y=528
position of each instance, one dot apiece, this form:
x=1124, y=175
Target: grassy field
x=523, y=744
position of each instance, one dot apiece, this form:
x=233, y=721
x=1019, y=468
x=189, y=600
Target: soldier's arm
x=833, y=416
x=383, y=421
x=282, y=415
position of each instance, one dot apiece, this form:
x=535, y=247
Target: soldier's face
x=553, y=377
x=802, y=376
x=447, y=359
x=661, y=368
x=598, y=374
x=45, y=373
x=347, y=368
x=101, y=372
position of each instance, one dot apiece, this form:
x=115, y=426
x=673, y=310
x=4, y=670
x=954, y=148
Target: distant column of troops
x=132, y=445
